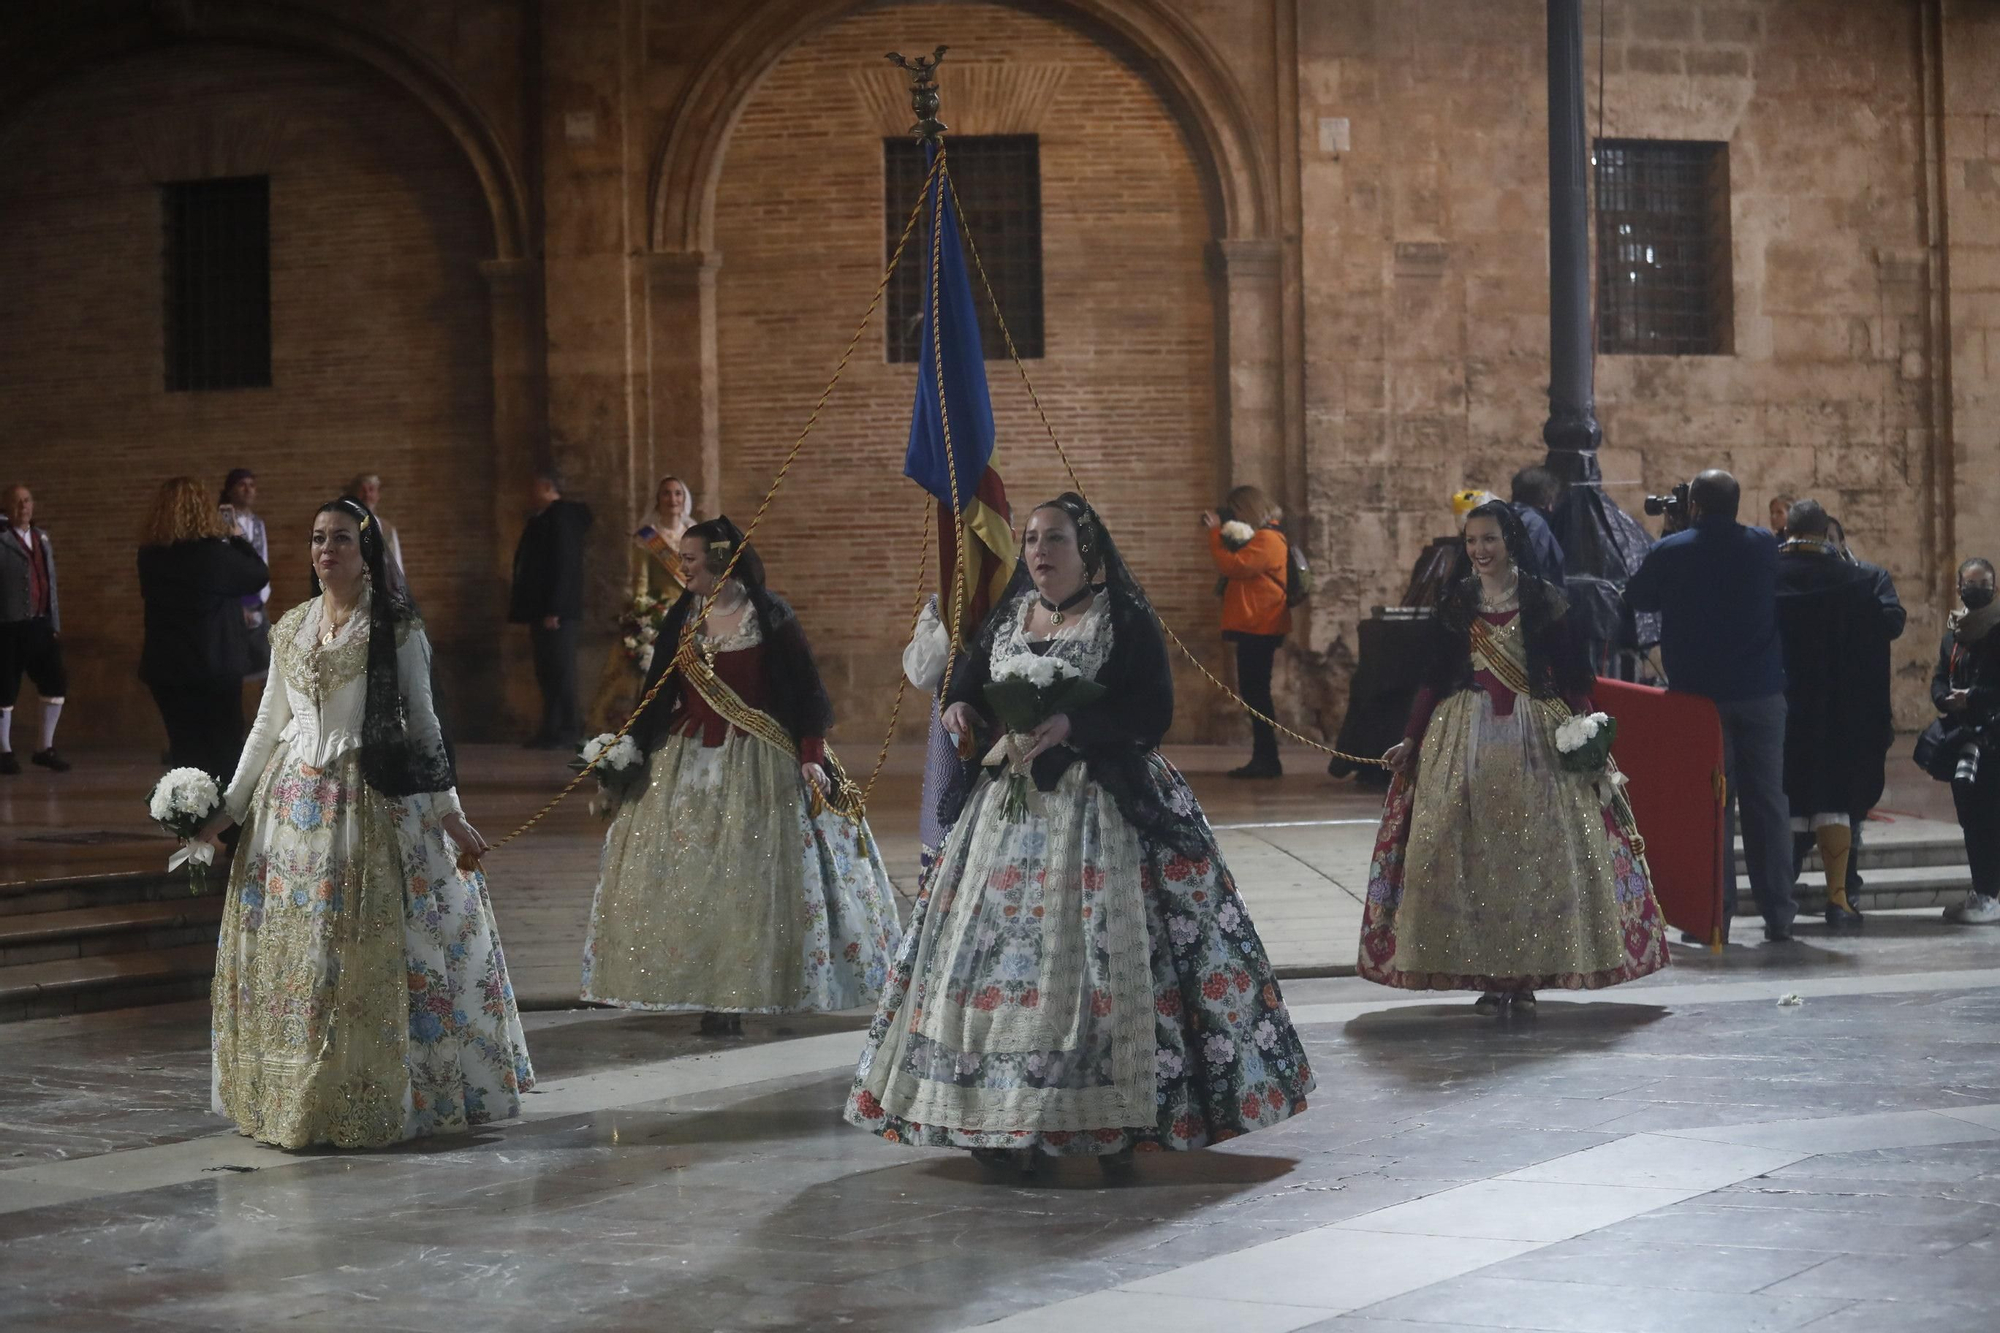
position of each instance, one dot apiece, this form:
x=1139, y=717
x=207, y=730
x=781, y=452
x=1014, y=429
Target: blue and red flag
x=951, y=359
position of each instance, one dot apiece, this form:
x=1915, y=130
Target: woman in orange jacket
x=1251, y=555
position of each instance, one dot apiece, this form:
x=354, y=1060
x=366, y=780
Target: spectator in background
x=1838, y=721
x=1536, y=493
x=1966, y=689
x=1781, y=505
x=367, y=488
x=1715, y=586
x=1251, y=554
x=548, y=598
x=194, y=573
x=239, y=500
x=30, y=630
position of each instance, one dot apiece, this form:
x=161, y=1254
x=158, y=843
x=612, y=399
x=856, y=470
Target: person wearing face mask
x=1966, y=689
x=361, y=997
x=1496, y=869
x=742, y=878
x=1079, y=975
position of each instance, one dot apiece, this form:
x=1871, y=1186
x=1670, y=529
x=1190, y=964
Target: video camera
x=1673, y=505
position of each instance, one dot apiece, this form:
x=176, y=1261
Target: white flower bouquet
x=1025, y=692
x=618, y=764
x=1583, y=741
x=181, y=803
x=639, y=628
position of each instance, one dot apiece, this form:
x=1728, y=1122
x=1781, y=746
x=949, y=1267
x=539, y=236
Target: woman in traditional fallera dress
x=741, y=879
x=1496, y=869
x=658, y=583
x=360, y=994
x=1081, y=978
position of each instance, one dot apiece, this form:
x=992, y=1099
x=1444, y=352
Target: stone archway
x=1205, y=100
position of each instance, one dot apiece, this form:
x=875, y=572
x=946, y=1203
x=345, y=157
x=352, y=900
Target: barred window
x=217, y=264
x=999, y=182
x=1663, y=260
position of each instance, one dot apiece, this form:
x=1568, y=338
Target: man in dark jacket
x=1715, y=585
x=548, y=598
x=1838, y=723
x=1536, y=492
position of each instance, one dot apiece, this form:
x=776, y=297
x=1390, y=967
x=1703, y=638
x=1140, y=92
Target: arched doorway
x=381, y=346
x=1149, y=283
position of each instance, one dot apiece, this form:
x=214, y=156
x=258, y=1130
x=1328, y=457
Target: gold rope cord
x=1077, y=482
x=844, y=799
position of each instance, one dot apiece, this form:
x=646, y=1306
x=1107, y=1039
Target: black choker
x=1056, y=609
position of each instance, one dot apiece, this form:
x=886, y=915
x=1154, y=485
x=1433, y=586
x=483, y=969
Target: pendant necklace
x=1056, y=609
x=333, y=629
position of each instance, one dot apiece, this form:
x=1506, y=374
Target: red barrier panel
x=1670, y=748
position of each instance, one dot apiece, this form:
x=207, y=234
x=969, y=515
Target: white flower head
x=622, y=755
x=594, y=748
x=184, y=791
x=1237, y=533
x=1040, y=672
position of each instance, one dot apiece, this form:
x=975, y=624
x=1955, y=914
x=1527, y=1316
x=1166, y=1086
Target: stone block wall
x=1426, y=275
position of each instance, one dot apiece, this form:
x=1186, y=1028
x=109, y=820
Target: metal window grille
x=999, y=180
x=217, y=264
x=1664, y=284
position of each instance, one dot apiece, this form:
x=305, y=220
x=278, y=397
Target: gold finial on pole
x=923, y=92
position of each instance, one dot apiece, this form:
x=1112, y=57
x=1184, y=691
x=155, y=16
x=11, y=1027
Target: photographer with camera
x=1715, y=587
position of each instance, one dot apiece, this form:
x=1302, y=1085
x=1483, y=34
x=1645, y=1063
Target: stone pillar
x=1248, y=282
x=518, y=428
x=684, y=373
x=1571, y=433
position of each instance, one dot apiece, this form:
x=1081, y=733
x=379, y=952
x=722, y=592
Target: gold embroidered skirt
x=1500, y=870
x=720, y=890
x=360, y=995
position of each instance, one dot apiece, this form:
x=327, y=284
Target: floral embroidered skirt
x=1501, y=870
x=720, y=890
x=1066, y=986
x=361, y=996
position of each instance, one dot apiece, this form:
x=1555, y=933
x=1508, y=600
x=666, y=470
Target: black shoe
x=1489, y=1004
x=8, y=763
x=1842, y=918
x=1779, y=935
x=1117, y=1163
x=50, y=760
x=1253, y=769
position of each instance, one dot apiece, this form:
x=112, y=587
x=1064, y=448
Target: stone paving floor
x=1686, y=1153
x=1299, y=847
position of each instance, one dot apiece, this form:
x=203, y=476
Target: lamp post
x=1571, y=432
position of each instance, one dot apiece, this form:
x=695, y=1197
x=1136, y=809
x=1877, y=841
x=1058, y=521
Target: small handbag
x=1937, y=748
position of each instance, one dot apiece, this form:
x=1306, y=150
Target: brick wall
x=1128, y=373
x=380, y=353
x=1426, y=274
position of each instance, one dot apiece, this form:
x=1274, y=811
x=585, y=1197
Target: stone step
x=39, y=937
x=1901, y=886
x=1927, y=851
x=105, y=981
x=25, y=897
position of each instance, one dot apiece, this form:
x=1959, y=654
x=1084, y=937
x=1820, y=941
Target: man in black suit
x=548, y=599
